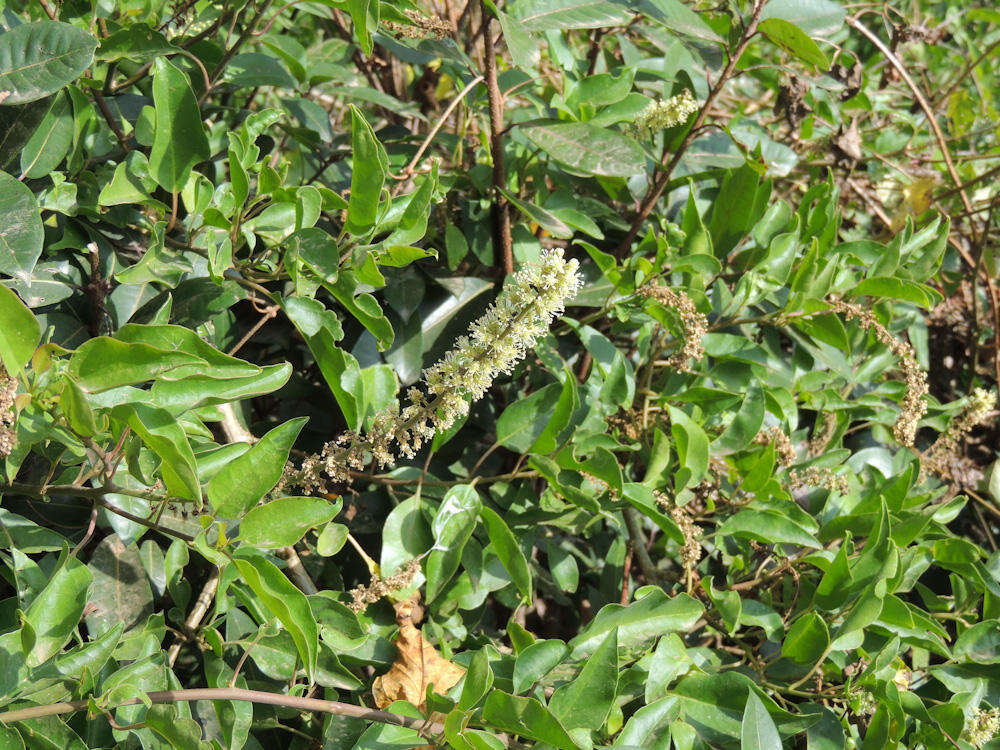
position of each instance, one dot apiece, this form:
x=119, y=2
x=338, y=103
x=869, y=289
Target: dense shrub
x=556, y=373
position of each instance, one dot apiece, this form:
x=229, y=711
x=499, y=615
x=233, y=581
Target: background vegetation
x=742, y=491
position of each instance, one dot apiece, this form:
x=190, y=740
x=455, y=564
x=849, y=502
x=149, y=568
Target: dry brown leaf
x=417, y=665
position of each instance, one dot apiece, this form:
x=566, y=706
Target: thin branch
x=235, y=694
x=663, y=179
x=196, y=615
x=503, y=243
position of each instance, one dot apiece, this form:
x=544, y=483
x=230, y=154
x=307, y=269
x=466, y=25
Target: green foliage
x=743, y=492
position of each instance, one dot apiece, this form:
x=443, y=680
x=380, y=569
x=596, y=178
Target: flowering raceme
x=664, y=114
x=522, y=313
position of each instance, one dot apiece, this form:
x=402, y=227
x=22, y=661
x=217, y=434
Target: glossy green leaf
x=527, y=717
x=19, y=334
x=284, y=601
x=588, y=149
x=650, y=616
x=104, y=363
x=39, y=58
x=245, y=480
x=161, y=432
x=791, y=38
x=807, y=640
x=453, y=524
x=54, y=614
x=283, y=522
x=50, y=142
x=758, y=731
x=179, y=141
x=478, y=681
x=587, y=700
x=21, y=231
x=505, y=545
x=367, y=177
x=536, y=661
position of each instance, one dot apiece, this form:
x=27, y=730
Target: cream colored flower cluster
x=663, y=114
x=362, y=596
x=522, y=313
x=982, y=727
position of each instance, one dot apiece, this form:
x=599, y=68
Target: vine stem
x=235, y=694
x=503, y=239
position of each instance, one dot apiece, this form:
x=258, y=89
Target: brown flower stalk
x=695, y=324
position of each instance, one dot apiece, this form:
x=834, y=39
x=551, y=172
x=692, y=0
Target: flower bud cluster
x=521, y=314
x=914, y=406
x=663, y=114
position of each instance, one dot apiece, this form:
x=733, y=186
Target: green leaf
x=49, y=144
x=283, y=522
x=523, y=49
x=508, y=550
x=890, y=287
x=368, y=175
x=38, y=59
x=19, y=334
x=536, y=661
x=179, y=141
x=766, y=526
x=284, y=601
x=980, y=644
x=528, y=717
x=120, y=593
x=478, y=681
x=406, y=535
x=161, y=432
x=540, y=15
x=679, y=18
x=745, y=425
x=587, y=700
x=692, y=449
x=413, y=223
x=244, y=481
x=641, y=621
x=587, y=149
x=180, y=732
x=758, y=731
x=453, y=524
x=56, y=611
x=137, y=43
x=75, y=408
x=104, y=363
x=821, y=17
x=807, y=640
x=17, y=124
x=649, y=727
x=525, y=420
x=791, y=38
x=21, y=233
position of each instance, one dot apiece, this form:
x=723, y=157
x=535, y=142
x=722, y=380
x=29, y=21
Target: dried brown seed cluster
x=813, y=476
x=8, y=392
x=783, y=447
x=822, y=437
x=420, y=26
x=914, y=406
x=944, y=458
x=691, y=549
x=695, y=324
x=363, y=595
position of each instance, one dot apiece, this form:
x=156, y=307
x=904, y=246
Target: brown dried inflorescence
x=691, y=549
x=420, y=26
x=362, y=596
x=815, y=476
x=914, y=406
x=783, y=448
x=944, y=458
x=8, y=392
x=695, y=324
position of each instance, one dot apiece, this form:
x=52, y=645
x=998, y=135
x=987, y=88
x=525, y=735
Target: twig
x=297, y=572
x=49, y=11
x=269, y=312
x=234, y=694
x=638, y=540
x=196, y=614
x=663, y=179
x=503, y=243
x=248, y=31
x=110, y=119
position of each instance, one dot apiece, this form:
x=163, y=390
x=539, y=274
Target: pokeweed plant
x=553, y=373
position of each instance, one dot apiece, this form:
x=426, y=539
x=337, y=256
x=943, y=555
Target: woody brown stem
x=503, y=244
